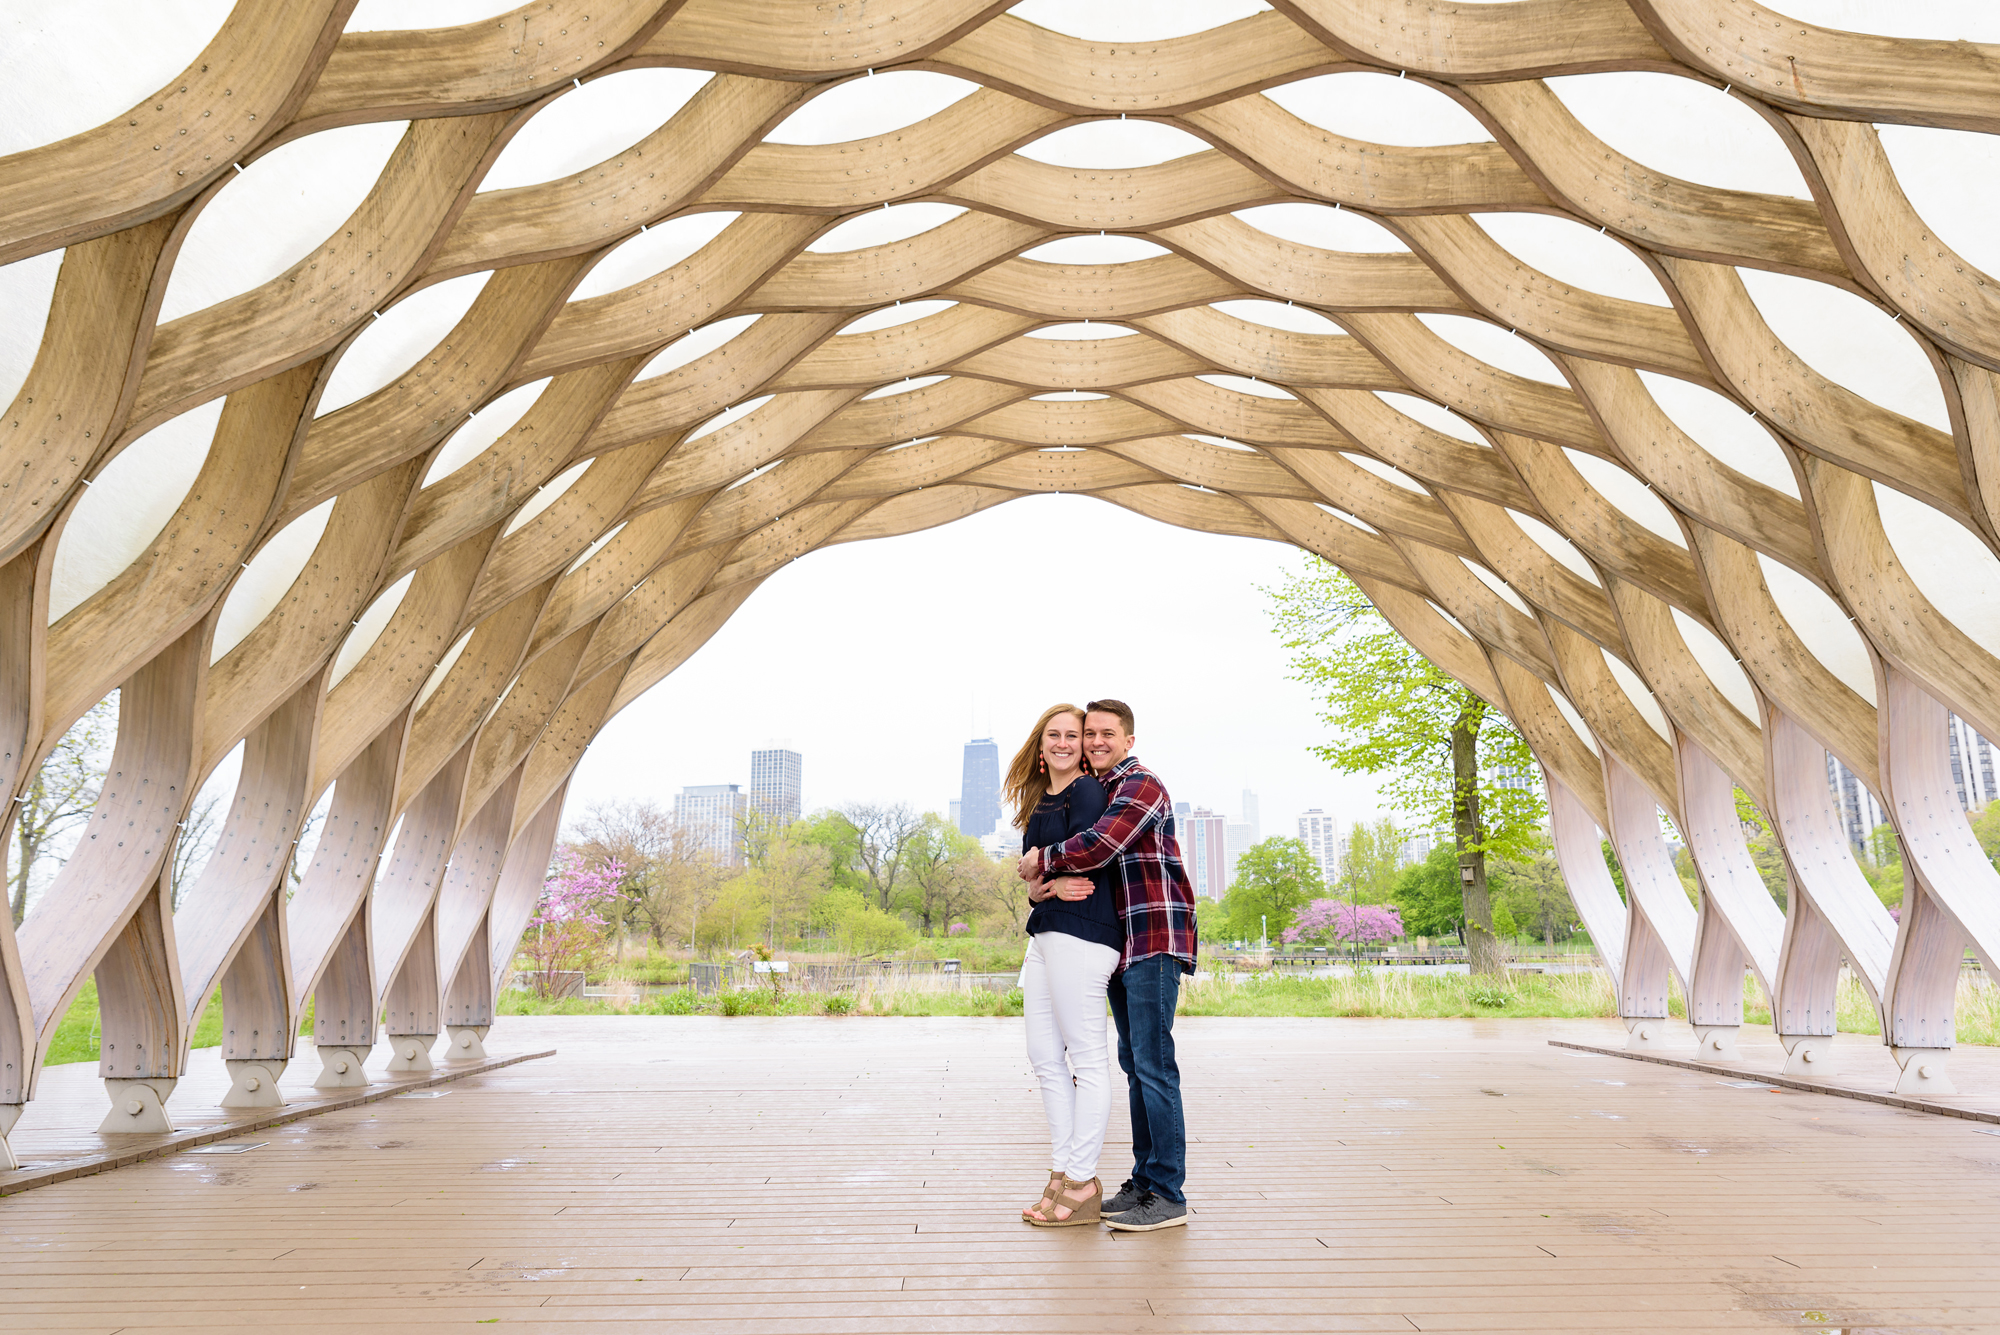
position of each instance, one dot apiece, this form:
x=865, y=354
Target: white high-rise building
x=1204, y=841
x=1320, y=833
x=1417, y=846
x=712, y=814
x=1971, y=765
x=1241, y=835
x=774, y=785
x=1236, y=841
x=1860, y=812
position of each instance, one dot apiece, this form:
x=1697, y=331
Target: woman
x=1074, y=941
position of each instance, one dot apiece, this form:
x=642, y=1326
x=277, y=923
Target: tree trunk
x=28, y=838
x=1482, y=947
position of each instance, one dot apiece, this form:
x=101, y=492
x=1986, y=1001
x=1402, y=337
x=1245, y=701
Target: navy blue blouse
x=1057, y=817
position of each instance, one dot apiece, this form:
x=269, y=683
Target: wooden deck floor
x=864, y=1175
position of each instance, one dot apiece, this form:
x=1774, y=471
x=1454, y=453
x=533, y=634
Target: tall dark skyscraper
x=979, y=789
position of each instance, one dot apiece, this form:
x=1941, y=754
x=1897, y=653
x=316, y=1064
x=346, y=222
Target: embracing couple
x=1113, y=921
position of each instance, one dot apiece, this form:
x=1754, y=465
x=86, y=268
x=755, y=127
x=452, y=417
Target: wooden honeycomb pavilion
x=443, y=643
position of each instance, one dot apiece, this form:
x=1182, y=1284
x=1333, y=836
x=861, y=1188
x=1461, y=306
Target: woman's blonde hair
x=1027, y=783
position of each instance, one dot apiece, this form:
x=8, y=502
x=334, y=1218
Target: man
x=1156, y=902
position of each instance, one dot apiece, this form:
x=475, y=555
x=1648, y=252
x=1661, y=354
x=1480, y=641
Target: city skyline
x=1214, y=716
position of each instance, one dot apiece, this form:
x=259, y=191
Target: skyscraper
x=1236, y=842
x=1240, y=836
x=1205, y=852
x=1417, y=846
x=1859, y=810
x=979, y=789
x=712, y=815
x=1320, y=834
x=1971, y=764
x=774, y=785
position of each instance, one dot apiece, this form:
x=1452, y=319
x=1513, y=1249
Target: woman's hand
x=1072, y=888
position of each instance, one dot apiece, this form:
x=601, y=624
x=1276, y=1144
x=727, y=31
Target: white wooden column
x=1951, y=893
x=1831, y=910
x=1739, y=925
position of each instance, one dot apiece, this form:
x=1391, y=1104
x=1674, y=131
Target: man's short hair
x=1118, y=707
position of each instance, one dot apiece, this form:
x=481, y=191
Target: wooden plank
x=863, y=1174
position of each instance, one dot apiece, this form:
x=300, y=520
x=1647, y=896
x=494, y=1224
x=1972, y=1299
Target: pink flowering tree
x=1329, y=920
x=566, y=935
x=957, y=929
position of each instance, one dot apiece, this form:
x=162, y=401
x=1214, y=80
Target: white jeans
x=1063, y=982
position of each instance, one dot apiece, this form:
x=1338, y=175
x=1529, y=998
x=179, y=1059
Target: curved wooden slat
x=169, y=147
x=677, y=523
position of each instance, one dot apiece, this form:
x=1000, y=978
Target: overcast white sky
x=878, y=660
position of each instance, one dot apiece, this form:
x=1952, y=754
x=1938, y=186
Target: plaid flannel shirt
x=1153, y=894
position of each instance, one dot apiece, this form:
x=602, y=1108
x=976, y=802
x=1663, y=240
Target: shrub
x=737, y=1003
x=1488, y=996
x=680, y=1001
x=839, y=1004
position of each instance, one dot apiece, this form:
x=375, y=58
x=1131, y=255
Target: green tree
x=1371, y=861
x=1765, y=854
x=1533, y=894
x=1614, y=866
x=642, y=839
x=1769, y=860
x=1986, y=825
x=941, y=873
x=858, y=927
x=1429, y=895
x=790, y=872
x=842, y=842
x=881, y=833
x=1881, y=860
x=1441, y=751
x=1274, y=880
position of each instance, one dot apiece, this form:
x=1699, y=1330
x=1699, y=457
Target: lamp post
x=1353, y=925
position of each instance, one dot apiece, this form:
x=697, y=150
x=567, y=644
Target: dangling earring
x=1041, y=765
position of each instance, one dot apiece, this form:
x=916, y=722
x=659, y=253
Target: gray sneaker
x=1126, y=1197
x=1152, y=1211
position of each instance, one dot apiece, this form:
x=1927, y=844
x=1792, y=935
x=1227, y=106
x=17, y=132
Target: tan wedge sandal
x=1047, y=1204
x=1082, y=1210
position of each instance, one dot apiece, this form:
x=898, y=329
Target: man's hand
x=1072, y=888
x=1030, y=866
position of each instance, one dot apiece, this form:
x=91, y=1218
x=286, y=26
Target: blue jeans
x=1143, y=996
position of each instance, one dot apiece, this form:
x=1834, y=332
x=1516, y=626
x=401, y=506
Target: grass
x=1383, y=993
x=1386, y=993
x=655, y=966
x=1396, y=994
x=1401, y=994
x=907, y=1000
